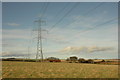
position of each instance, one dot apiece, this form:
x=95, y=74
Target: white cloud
x=82, y=25
x=14, y=54
x=97, y=49
x=85, y=22
x=57, y=38
x=91, y=49
x=16, y=34
x=13, y=24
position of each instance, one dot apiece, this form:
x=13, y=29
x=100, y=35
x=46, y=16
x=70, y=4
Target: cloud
x=97, y=49
x=58, y=38
x=16, y=34
x=13, y=24
x=78, y=27
x=92, y=49
x=14, y=54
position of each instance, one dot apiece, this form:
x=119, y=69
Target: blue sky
x=85, y=29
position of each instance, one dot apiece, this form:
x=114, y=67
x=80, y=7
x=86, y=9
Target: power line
x=87, y=12
x=94, y=8
x=45, y=9
x=62, y=9
x=75, y=5
x=41, y=9
x=100, y=25
x=89, y=29
x=78, y=17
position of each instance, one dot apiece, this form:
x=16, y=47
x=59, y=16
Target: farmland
x=14, y=69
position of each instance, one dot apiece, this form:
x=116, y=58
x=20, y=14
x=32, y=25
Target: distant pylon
x=28, y=52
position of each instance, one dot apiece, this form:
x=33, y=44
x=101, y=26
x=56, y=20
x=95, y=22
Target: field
x=14, y=69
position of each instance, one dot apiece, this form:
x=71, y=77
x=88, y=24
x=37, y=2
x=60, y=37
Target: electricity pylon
x=39, y=41
x=28, y=52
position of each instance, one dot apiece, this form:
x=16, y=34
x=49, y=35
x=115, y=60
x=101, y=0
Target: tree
x=67, y=59
x=90, y=61
x=53, y=59
x=103, y=60
x=73, y=58
x=81, y=60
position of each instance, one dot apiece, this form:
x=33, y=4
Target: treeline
x=81, y=60
x=72, y=59
x=75, y=59
x=16, y=59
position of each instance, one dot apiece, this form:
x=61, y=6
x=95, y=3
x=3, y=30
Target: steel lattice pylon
x=39, y=41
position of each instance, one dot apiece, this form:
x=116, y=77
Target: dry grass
x=57, y=70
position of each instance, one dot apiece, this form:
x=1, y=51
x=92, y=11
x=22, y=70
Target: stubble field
x=13, y=69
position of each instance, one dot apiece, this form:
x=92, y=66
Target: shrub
x=90, y=61
x=81, y=60
x=53, y=59
x=103, y=60
x=67, y=59
x=73, y=58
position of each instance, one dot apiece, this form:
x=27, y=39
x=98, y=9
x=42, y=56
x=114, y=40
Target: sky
x=82, y=29
x=60, y=0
